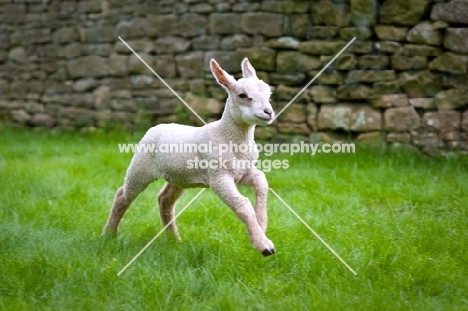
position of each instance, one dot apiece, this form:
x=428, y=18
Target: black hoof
x=268, y=252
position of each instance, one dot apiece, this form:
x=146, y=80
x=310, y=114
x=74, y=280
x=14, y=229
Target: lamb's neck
x=234, y=131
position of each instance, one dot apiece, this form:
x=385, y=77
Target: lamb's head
x=249, y=97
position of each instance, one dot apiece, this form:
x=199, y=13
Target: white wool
x=248, y=105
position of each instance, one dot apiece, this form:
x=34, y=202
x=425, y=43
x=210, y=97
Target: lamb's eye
x=242, y=95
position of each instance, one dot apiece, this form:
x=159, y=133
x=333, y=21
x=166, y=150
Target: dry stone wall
x=403, y=81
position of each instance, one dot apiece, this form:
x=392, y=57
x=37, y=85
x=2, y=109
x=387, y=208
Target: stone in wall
x=401, y=119
x=455, y=11
x=391, y=33
x=425, y=33
x=293, y=61
x=451, y=99
x=421, y=84
x=403, y=12
x=349, y=117
x=447, y=123
x=450, y=62
x=364, y=12
x=225, y=23
x=329, y=13
x=267, y=24
x=455, y=40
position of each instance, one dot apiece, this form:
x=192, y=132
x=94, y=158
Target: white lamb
x=247, y=105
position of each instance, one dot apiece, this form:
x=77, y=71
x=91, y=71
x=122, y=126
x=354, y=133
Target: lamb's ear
x=221, y=76
x=247, y=69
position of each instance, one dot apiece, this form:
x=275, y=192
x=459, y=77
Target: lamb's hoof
x=268, y=252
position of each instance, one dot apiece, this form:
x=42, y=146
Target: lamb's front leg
x=226, y=189
x=256, y=179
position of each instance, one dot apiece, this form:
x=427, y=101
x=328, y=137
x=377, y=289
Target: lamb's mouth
x=264, y=119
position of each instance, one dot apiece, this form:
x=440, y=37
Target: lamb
x=247, y=105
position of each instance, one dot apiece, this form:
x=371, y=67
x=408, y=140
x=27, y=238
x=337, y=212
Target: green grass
x=399, y=219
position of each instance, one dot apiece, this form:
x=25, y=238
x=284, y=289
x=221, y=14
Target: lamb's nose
x=268, y=111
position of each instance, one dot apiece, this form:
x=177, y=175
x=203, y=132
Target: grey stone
x=97, y=49
x=454, y=12
x=399, y=137
x=421, y=50
x=420, y=84
x=42, y=119
x=229, y=61
x=225, y=23
x=423, y=103
x=329, y=13
x=451, y=99
x=185, y=25
x=361, y=33
x=401, y=119
x=389, y=100
x=20, y=116
x=327, y=77
x=343, y=62
x=403, y=12
x=364, y=12
x=323, y=94
x=296, y=113
x=442, y=121
x=285, y=43
x=206, y=42
x=85, y=100
x=134, y=28
x=321, y=32
x=36, y=35
x=88, y=66
x=261, y=58
x=391, y=33
x=455, y=40
x=235, y=41
x=321, y=47
x=349, y=117
x=449, y=62
x=292, y=61
x=389, y=47
x=400, y=62
x=99, y=34
x=357, y=76
x=165, y=66
x=425, y=139
x=289, y=79
x=267, y=24
x=18, y=55
x=102, y=97
x=425, y=33
x=83, y=85
x=360, y=47
x=353, y=91
x=464, y=124
x=64, y=35
x=190, y=65
x=136, y=66
x=375, y=62
x=300, y=25
x=118, y=65
x=201, y=8
x=171, y=44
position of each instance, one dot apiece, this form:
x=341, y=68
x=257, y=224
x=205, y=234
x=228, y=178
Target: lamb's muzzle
x=247, y=105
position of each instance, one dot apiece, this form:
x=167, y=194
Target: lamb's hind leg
x=167, y=199
x=136, y=180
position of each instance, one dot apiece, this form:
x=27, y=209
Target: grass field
x=399, y=219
